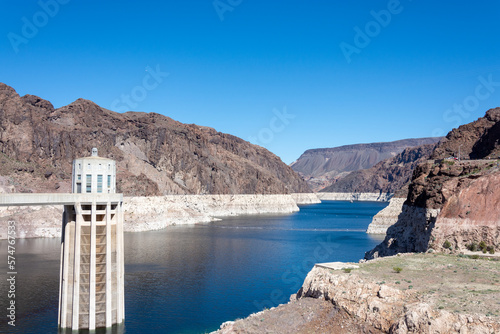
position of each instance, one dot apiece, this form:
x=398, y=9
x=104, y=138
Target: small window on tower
x=89, y=184
x=99, y=183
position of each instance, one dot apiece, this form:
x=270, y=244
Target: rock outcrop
x=155, y=155
x=372, y=297
x=475, y=140
x=322, y=167
x=388, y=309
x=387, y=216
x=452, y=204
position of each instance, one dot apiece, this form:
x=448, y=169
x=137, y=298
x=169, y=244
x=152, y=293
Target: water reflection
x=116, y=329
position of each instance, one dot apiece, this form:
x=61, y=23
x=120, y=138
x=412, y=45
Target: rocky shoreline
x=386, y=217
x=157, y=212
x=376, y=197
x=372, y=297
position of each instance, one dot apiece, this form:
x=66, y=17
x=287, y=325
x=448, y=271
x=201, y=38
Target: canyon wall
x=452, y=204
x=449, y=206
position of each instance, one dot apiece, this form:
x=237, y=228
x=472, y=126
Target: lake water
x=190, y=279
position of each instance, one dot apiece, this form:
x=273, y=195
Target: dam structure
x=91, y=285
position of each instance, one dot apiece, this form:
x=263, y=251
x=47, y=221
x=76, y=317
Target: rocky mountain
x=387, y=176
x=155, y=155
x=476, y=140
x=322, y=167
x=451, y=204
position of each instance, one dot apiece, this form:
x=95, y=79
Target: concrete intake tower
x=91, y=291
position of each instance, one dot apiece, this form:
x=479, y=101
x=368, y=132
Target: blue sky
x=288, y=76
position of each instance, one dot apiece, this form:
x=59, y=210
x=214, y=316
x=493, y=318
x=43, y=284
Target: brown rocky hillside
x=155, y=155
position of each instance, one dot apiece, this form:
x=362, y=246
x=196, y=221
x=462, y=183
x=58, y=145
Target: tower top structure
x=94, y=175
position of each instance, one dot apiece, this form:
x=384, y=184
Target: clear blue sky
x=236, y=67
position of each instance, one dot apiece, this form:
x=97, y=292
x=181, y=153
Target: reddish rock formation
x=476, y=140
x=155, y=155
x=452, y=203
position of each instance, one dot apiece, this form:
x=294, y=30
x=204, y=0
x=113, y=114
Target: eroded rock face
x=155, y=155
x=388, y=309
x=368, y=301
x=387, y=216
x=471, y=214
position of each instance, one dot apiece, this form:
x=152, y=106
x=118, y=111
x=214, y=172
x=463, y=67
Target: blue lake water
x=190, y=279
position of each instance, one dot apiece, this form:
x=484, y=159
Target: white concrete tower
x=92, y=268
x=93, y=175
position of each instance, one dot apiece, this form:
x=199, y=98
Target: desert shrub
x=475, y=257
x=447, y=244
x=482, y=246
x=397, y=269
x=347, y=270
x=490, y=249
x=472, y=246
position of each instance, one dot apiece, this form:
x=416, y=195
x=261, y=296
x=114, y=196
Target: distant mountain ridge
x=387, y=176
x=322, y=167
x=155, y=155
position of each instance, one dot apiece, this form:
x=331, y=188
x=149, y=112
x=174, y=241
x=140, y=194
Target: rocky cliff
x=475, y=140
x=452, y=204
x=322, y=167
x=386, y=217
x=155, y=155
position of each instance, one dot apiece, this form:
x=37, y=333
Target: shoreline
x=158, y=212
x=375, y=197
